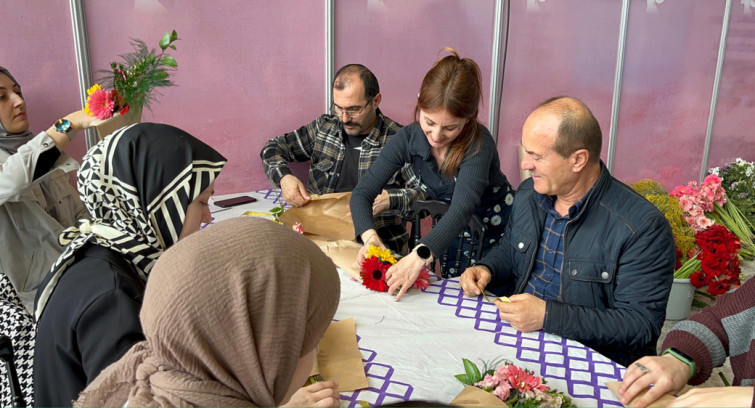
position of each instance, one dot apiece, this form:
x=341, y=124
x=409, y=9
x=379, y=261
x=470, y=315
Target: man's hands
x=474, y=280
x=666, y=374
x=293, y=191
x=319, y=394
x=525, y=313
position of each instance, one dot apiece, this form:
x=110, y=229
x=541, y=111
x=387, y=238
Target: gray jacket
x=33, y=213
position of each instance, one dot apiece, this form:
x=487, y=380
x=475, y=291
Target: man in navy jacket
x=584, y=256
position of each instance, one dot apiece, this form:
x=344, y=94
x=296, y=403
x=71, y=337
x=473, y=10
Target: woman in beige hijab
x=232, y=316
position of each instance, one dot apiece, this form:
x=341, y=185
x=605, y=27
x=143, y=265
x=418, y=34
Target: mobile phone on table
x=230, y=202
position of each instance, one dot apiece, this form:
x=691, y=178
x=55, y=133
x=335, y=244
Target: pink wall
x=247, y=70
x=665, y=98
x=251, y=70
x=556, y=48
x=733, y=134
x=400, y=40
x=38, y=50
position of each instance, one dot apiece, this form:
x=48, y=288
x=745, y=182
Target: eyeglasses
x=352, y=113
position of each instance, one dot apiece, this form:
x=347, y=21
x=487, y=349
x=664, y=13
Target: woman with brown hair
x=454, y=159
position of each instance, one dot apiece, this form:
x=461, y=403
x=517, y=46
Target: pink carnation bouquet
x=706, y=204
x=516, y=386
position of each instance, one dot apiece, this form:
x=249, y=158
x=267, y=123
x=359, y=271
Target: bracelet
x=679, y=355
x=370, y=238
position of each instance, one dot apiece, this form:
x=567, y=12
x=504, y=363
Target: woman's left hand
x=319, y=394
x=403, y=274
x=712, y=397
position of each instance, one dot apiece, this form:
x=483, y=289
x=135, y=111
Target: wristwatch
x=684, y=358
x=64, y=126
x=424, y=253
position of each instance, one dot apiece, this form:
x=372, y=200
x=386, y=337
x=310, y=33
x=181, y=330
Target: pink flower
x=488, y=382
x=502, y=391
x=102, y=103
x=703, y=223
x=523, y=381
x=423, y=280
x=298, y=228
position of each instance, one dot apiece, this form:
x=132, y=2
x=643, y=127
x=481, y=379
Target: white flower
x=509, y=199
x=497, y=208
x=495, y=189
x=485, y=220
x=492, y=240
x=715, y=171
x=496, y=220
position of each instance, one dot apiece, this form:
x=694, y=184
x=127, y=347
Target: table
x=413, y=348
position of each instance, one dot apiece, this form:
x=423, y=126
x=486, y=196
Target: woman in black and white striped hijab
x=145, y=187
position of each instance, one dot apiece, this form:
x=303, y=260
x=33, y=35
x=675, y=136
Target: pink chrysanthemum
x=102, y=103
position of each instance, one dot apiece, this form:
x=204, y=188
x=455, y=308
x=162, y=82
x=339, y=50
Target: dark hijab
x=10, y=142
x=136, y=184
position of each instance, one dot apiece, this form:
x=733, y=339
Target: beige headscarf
x=227, y=314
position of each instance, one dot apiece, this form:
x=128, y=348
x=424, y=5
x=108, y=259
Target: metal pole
x=329, y=51
x=495, y=70
x=714, y=97
x=618, y=77
x=84, y=68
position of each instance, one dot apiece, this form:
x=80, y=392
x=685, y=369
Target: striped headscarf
x=136, y=184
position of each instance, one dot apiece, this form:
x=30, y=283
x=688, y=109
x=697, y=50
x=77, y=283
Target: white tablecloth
x=413, y=348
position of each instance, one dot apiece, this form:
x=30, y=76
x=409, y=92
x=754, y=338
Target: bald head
x=577, y=127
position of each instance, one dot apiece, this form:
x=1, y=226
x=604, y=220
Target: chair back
x=17, y=352
x=471, y=240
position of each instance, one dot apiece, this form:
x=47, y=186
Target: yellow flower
x=93, y=89
x=90, y=91
x=384, y=255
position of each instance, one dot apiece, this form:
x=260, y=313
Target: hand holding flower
x=525, y=312
x=369, y=238
x=403, y=274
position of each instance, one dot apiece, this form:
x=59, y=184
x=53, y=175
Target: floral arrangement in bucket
x=375, y=265
x=130, y=85
x=707, y=204
x=707, y=256
x=738, y=178
x=716, y=264
x=515, y=386
x=684, y=234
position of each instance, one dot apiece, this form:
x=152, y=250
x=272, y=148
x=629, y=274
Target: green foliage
x=738, y=179
x=684, y=234
x=141, y=71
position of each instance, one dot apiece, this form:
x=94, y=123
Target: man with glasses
x=341, y=147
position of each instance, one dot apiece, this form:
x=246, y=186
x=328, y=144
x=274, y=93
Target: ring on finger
x=641, y=367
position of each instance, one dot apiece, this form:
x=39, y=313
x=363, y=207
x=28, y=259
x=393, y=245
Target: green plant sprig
x=143, y=70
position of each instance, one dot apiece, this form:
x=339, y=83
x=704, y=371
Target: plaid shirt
x=545, y=280
x=321, y=142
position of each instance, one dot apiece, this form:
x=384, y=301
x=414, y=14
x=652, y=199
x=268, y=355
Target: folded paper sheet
x=342, y=252
x=324, y=215
x=663, y=401
x=339, y=357
x=476, y=397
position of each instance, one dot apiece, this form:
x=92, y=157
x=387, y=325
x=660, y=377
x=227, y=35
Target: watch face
x=423, y=252
x=63, y=126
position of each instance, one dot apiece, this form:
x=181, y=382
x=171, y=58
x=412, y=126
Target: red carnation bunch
x=719, y=261
x=376, y=264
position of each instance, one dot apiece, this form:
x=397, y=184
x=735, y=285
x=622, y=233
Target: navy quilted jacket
x=618, y=267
